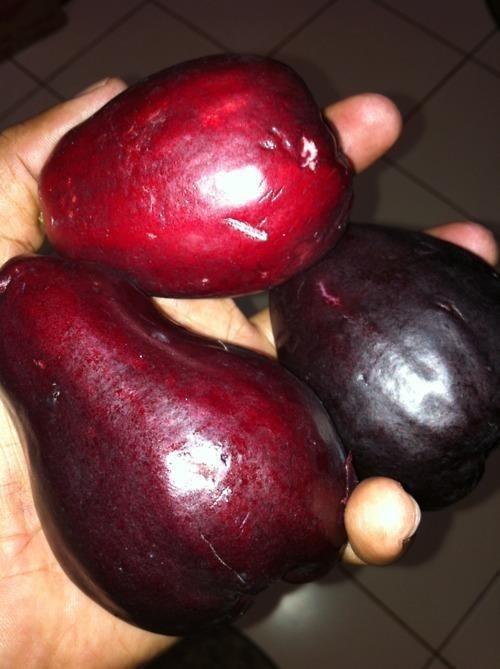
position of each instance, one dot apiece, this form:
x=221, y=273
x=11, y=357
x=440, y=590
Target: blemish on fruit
x=4, y=282
x=284, y=141
x=451, y=309
x=160, y=336
x=55, y=394
x=268, y=144
x=309, y=154
x=223, y=344
x=328, y=298
x=247, y=229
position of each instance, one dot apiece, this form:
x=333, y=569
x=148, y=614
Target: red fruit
x=214, y=177
x=175, y=476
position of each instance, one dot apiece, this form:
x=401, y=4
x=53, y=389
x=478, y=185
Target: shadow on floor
x=218, y=648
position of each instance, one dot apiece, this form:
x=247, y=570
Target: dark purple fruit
x=175, y=476
x=398, y=333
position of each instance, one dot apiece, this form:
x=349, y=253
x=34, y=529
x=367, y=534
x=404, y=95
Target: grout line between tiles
x=189, y=24
x=27, y=97
x=430, y=189
x=24, y=70
x=488, y=68
x=421, y=26
x=463, y=618
x=19, y=102
x=96, y=40
x=300, y=28
x=40, y=81
x=428, y=662
x=449, y=75
x=444, y=80
x=381, y=604
x=474, y=52
x=444, y=663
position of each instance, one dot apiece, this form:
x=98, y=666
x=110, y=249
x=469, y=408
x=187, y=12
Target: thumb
x=24, y=149
x=380, y=519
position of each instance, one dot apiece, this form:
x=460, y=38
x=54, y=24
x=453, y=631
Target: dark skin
x=45, y=621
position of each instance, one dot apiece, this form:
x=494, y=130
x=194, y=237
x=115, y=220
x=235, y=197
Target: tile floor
x=440, y=61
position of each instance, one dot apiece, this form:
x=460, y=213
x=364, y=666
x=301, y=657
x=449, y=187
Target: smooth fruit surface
x=398, y=333
x=217, y=176
x=175, y=476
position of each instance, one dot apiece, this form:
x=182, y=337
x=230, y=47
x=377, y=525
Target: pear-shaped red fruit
x=175, y=476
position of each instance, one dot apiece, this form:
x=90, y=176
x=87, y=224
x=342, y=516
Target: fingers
x=380, y=519
x=471, y=236
x=33, y=140
x=219, y=318
x=18, y=519
x=367, y=126
x=23, y=151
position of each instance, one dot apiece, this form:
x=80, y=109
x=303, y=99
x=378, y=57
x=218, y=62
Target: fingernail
x=418, y=517
x=92, y=87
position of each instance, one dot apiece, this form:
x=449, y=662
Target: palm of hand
x=37, y=600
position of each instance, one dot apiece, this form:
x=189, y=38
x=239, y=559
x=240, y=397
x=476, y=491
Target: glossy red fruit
x=175, y=476
x=398, y=333
x=214, y=177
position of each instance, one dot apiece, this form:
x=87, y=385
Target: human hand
x=37, y=599
x=45, y=620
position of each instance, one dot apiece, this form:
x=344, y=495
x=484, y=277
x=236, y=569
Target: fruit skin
x=397, y=332
x=175, y=476
x=217, y=176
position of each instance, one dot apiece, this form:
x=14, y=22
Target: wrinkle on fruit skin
x=4, y=282
x=334, y=300
x=240, y=578
x=247, y=229
x=451, y=308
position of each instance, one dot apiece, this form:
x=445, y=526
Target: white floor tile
x=477, y=643
x=149, y=41
x=454, y=554
x=39, y=101
x=87, y=19
x=489, y=53
x=382, y=194
x=255, y=26
x=452, y=142
x=14, y=84
x=463, y=23
x=331, y=623
x=338, y=54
